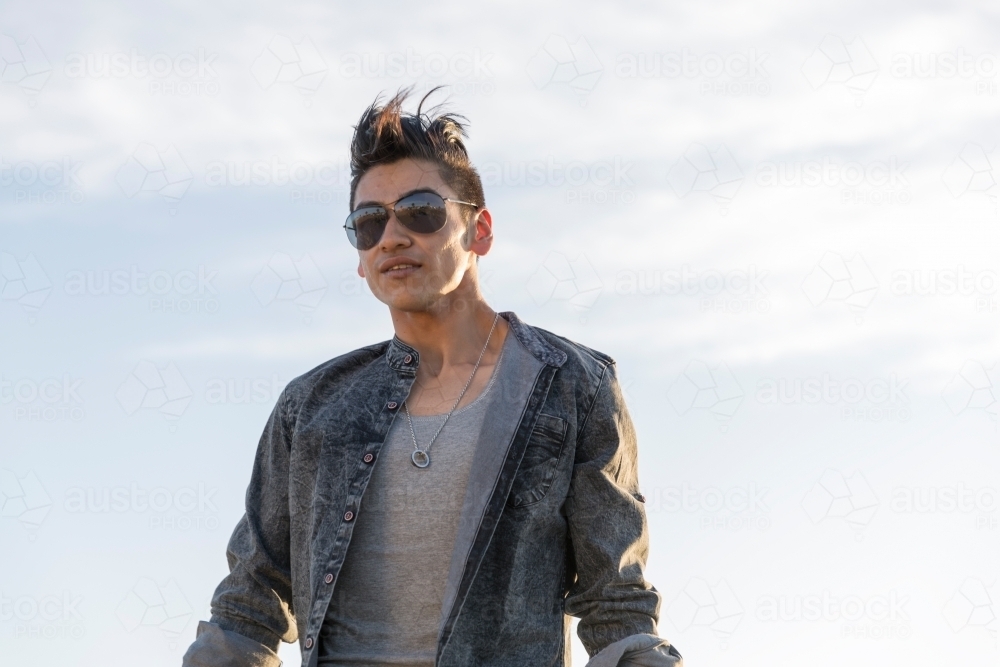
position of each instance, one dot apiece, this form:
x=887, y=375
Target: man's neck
x=449, y=336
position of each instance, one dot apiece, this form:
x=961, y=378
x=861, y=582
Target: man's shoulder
x=583, y=370
x=334, y=370
x=576, y=351
x=576, y=355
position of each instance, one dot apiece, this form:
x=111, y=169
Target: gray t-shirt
x=386, y=605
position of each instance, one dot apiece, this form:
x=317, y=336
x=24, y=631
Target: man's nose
x=394, y=234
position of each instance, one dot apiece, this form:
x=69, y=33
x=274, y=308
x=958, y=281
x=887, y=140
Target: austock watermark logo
x=185, y=74
x=731, y=74
x=839, y=62
x=559, y=64
x=595, y=182
x=467, y=72
x=714, y=608
x=24, y=499
x=945, y=65
x=298, y=64
x=733, y=291
x=981, y=502
x=150, y=605
x=574, y=282
x=982, y=67
x=410, y=493
x=47, y=400
x=46, y=617
x=740, y=507
x=182, y=292
x=712, y=389
x=45, y=182
x=243, y=391
x=849, y=281
x=183, y=508
x=836, y=497
x=150, y=388
x=883, y=616
x=973, y=388
x=976, y=170
x=713, y=172
x=150, y=170
x=351, y=284
x=323, y=182
x=878, y=399
x=24, y=282
x=23, y=64
x=980, y=285
x=164, y=389
x=973, y=608
x=874, y=182
x=286, y=279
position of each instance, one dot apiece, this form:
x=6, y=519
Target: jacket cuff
x=640, y=650
x=216, y=647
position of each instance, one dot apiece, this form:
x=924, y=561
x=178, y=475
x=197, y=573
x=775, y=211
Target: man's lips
x=398, y=265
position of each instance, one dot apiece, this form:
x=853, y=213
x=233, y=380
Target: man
x=445, y=498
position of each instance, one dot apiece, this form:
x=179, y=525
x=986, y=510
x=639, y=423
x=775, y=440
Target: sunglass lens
x=365, y=226
x=422, y=212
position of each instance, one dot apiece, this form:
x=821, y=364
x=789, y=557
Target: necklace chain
x=420, y=457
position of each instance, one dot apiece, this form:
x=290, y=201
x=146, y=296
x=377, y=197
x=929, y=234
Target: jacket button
x=328, y=578
x=408, y=359
x=391, y=405
x=348, y=515
x=309, y=642
x=369, y=458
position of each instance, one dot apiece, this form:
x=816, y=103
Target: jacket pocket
x=541, y=457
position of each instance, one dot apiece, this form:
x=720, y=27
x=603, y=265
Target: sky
x=781, y=221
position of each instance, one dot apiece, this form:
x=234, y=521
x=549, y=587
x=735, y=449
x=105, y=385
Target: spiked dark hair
x=386, y=134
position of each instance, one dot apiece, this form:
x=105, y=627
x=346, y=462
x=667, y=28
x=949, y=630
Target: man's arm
x=252, y=606
x=608, y=530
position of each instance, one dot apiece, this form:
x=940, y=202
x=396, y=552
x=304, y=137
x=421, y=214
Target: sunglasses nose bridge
x=393, y=228
x=390, y=209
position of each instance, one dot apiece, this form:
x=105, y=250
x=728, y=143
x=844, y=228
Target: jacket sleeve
x=252, y=606
x=609, y=534
x=638, y=651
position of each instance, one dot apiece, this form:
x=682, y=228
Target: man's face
x=410, y=271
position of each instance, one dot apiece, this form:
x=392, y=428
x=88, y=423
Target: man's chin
x=407, y=303
x=431, y=305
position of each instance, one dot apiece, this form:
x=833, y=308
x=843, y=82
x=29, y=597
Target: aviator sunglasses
x=422, y=212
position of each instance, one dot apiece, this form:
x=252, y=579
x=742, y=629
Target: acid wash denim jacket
x=552, y=525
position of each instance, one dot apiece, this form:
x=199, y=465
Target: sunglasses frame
x=390, y=208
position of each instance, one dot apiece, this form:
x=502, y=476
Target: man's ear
x=481, y=233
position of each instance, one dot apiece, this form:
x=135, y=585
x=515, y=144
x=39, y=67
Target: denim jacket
x=553, y=524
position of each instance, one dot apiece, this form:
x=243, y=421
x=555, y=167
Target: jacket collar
x=540, y=348
x=404, y=359
x=401, y=357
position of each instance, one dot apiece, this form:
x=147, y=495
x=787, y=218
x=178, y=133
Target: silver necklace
x=421, y=457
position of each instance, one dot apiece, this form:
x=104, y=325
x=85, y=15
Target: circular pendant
x=420, y=458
